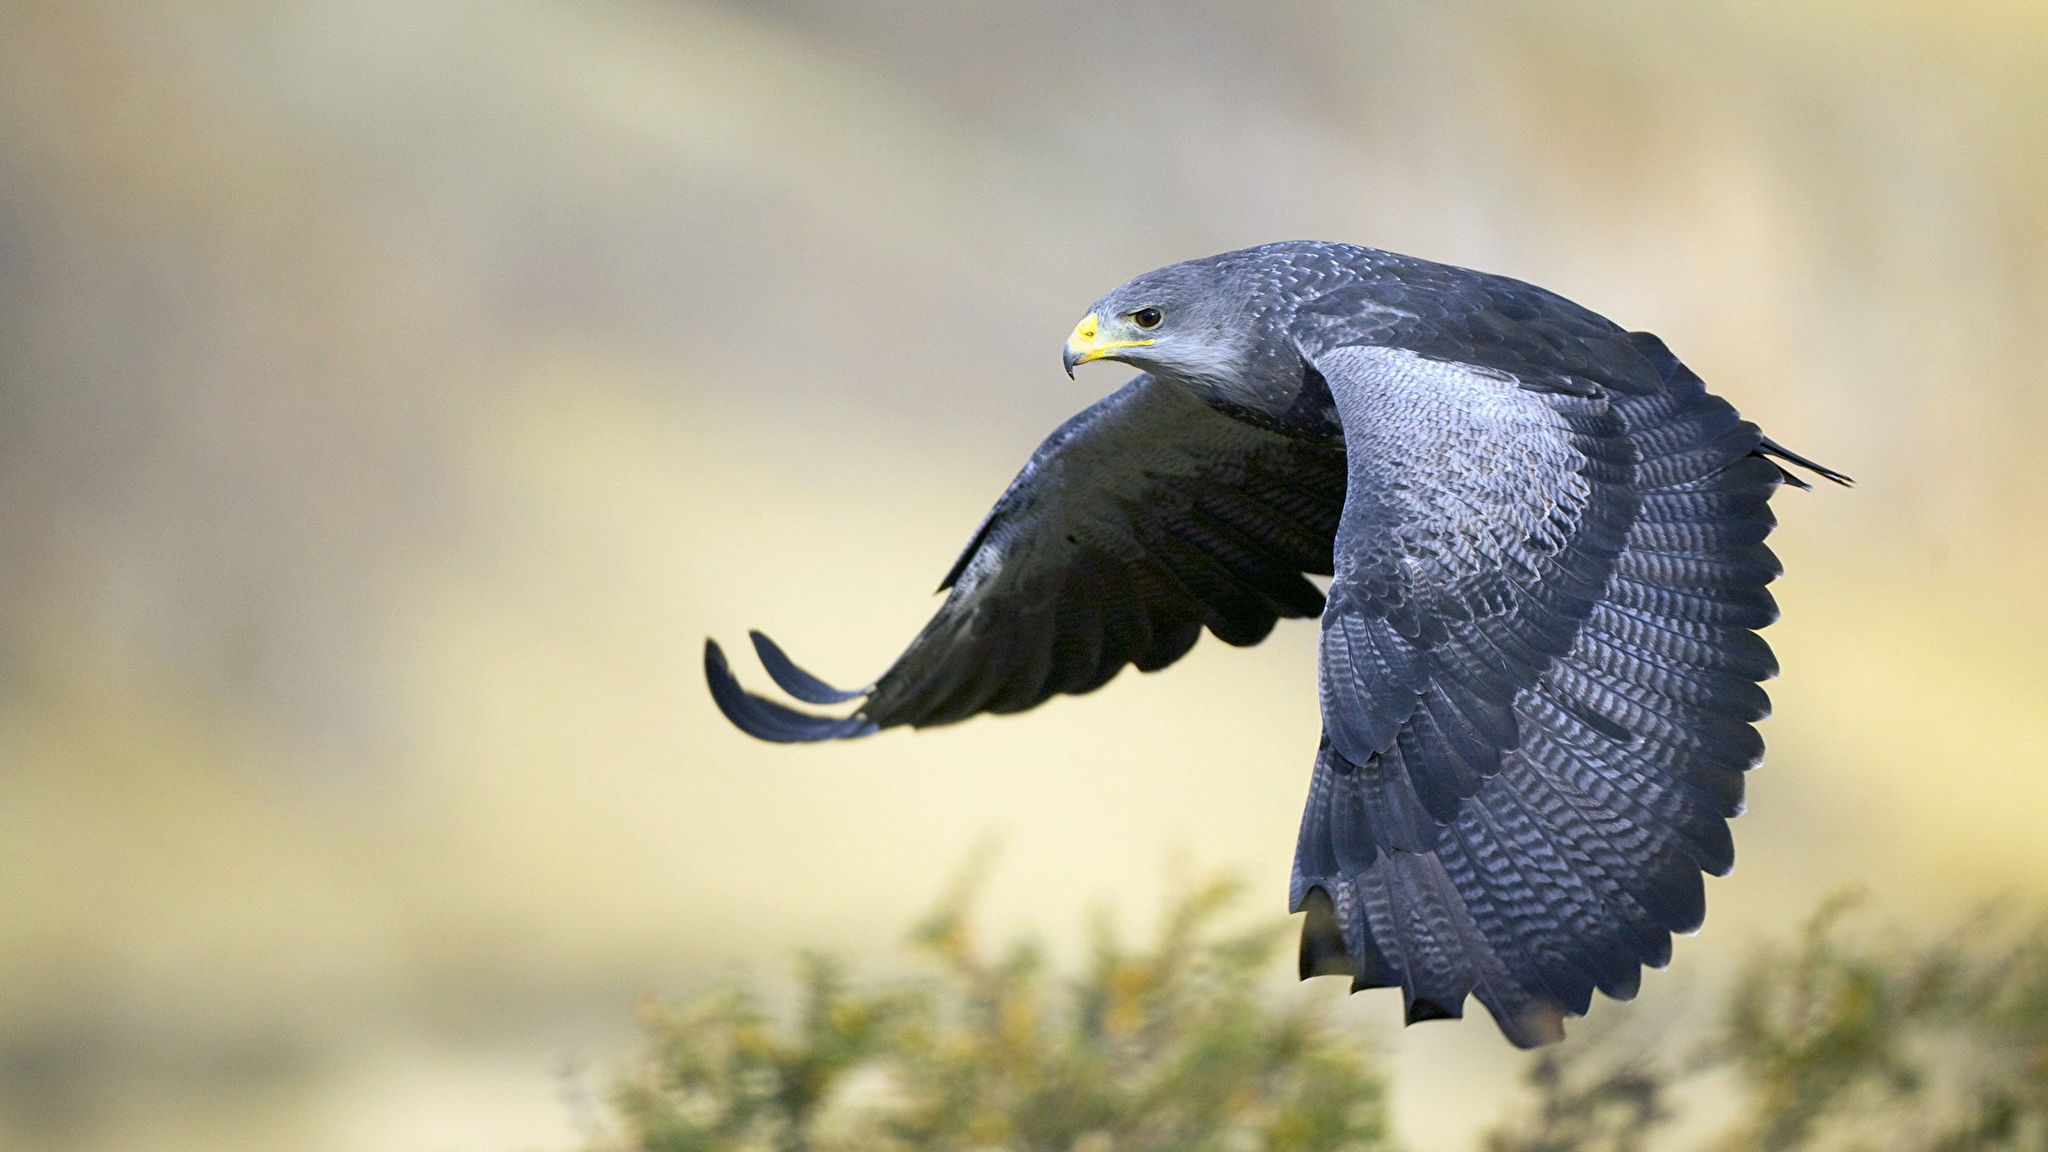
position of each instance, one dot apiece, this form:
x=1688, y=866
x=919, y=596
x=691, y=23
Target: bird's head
x=1191, y=322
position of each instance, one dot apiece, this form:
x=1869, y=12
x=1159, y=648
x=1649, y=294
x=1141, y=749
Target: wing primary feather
x=1322, y=938
x=767, y=720
x=795, y=680
x=1770, y=447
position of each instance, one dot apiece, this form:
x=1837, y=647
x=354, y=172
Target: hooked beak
x=1084, y=344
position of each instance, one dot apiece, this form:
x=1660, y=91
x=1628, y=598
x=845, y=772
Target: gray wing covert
x=1135, y=525
x=1479, y=524
x=1538, y=677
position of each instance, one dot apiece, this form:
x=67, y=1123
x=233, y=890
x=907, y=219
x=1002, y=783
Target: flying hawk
x=1539, y=659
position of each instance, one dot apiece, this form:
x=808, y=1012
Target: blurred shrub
x=1849, y=1040
x=1844, y=1039
x=1178, y=1046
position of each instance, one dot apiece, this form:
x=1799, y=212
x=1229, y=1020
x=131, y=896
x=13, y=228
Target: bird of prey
x=1539, y=663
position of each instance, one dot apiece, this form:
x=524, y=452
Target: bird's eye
x=1147, y=317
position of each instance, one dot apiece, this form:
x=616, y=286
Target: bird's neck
x=1291, y=399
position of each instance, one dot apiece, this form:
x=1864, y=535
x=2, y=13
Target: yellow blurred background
x=394, y=393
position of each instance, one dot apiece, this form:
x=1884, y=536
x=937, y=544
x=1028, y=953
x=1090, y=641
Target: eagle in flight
x=1539, y=663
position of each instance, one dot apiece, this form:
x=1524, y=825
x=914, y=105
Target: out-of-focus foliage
x=1844, y=1039
x=1172, y=1047
x=1613, y=1110
x=1847, y=1040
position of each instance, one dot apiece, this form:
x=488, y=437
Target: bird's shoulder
x=1495, y=324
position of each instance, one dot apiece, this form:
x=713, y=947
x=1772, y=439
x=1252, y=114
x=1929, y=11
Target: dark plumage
x=1539, y=669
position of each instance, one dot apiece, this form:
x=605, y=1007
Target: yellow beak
x=1084, y=346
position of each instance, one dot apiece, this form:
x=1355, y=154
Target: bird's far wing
x=1538, y=677
x=1139, y=522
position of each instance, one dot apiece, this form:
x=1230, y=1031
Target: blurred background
x=393, y=395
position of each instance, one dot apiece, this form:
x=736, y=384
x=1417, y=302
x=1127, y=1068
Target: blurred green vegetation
x=1850, y=1038
x=1171, y=1047
x=1845, y=1038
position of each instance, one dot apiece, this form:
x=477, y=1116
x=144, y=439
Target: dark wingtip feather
x=1423, y=1008
x=795, y=680
x=767, y=720
x=1538, y=1023
x=1323, y=952
x=1769, y=447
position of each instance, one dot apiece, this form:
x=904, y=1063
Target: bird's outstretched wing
x=1539, y=673
x=1136, y=524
